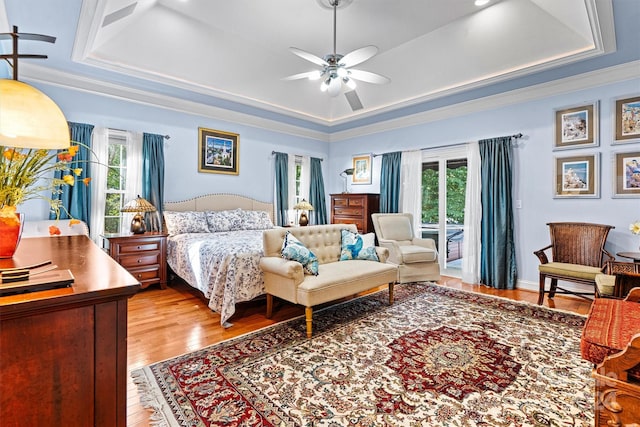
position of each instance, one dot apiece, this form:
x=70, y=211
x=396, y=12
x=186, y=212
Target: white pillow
x=185, y=222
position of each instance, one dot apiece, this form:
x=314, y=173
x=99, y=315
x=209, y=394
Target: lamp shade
x=303, y=205
x=30, y=119
x=138, y=205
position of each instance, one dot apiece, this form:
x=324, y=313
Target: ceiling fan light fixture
x=342, y=72
x=351, y=84
x=316, y=75
x=325, y=85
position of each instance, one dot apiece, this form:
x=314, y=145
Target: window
x=298, y=179
x=116, y=184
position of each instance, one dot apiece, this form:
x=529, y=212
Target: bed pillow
x=358, y=246
x=229, y=220
x=185, y=222
x=294, y=250
x=256, y=220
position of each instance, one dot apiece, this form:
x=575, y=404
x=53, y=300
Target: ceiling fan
x=336, y=68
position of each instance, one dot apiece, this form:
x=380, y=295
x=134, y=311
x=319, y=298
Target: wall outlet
x=518, y=204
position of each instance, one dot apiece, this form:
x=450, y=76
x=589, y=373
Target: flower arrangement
x=635, y=227
x=27, y=174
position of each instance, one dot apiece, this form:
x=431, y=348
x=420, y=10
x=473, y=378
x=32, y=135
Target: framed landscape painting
x=577, y=176
x=361, y=169
x=218, y=151
x=626, y=174
x=627, y=120
x=576, y=127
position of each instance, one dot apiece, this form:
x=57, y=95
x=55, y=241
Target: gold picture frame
x=626, y=174
x=218, y=151
x=577, y=176
x=627, y=120
x=576, y=127
x=361, y=169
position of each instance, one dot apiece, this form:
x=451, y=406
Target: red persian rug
x=437, y=357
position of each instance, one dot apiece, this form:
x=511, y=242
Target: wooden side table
x=635, y=256
x=143, y=255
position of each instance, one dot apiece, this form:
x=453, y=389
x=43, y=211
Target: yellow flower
x=635, y=227
x=27, y=174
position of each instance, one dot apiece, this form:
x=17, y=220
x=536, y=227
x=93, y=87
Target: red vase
x=10, y=233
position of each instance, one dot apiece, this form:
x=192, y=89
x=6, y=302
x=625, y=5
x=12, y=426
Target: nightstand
x=143, y=255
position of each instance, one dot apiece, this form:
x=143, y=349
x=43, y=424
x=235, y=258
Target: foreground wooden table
x=63, y=352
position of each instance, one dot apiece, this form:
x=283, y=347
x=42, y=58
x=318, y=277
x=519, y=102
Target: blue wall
x=533, y=158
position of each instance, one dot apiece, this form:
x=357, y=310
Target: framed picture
x=218, y=151
x=577, y=176
x=627, y=119
x=626, y=174
x=361, y=169
x=576, y=127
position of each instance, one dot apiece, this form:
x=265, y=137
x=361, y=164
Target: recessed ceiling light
x=481, y=2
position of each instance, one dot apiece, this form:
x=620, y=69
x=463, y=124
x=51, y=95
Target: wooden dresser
x=355, y=208
x=63, y=352
x=143, y=255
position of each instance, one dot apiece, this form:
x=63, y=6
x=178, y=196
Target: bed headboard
x=221, y=202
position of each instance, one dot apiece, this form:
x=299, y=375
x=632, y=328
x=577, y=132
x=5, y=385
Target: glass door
x=444, y=181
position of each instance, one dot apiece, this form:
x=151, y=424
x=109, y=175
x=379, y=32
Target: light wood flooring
x=165, y=323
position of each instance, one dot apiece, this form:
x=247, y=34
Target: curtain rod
x=274, y=152
x=516, y=136
x=122, y=130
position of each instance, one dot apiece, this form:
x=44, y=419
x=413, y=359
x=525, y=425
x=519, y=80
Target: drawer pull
x=139, y=276
x=139, y=247
x=139, y=261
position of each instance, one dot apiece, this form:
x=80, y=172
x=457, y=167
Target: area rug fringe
x=149, y=393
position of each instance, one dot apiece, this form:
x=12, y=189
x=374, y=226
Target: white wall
x=533, y=166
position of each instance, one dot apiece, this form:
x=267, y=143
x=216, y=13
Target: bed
x=215, y=245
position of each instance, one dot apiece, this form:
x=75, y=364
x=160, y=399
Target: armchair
x=577, y=251
x=416, y=258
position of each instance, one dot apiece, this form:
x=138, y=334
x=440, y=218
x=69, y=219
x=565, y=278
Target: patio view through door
x=444, y=181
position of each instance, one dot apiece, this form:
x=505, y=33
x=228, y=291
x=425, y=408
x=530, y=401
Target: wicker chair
x=617, y=279
x=577, y=250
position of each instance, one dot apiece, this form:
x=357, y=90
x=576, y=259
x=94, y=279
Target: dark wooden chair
x=577, y=252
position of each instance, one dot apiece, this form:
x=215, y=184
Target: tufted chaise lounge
x=336, y=279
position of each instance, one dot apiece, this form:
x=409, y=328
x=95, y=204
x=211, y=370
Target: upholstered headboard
x=221, y=202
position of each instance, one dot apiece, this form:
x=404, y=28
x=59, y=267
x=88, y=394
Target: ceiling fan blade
x=311, y=75
x=358, y=56
x=368, y=77
x=308, y=56
x=334, y=87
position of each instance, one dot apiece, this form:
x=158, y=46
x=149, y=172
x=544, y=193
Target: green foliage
x=456, y=188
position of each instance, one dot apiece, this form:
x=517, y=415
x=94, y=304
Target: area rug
x=436, y=357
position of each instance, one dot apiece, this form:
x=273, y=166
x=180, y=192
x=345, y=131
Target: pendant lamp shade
x=30, y=119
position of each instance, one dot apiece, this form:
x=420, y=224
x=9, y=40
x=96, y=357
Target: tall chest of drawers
x=355, y=208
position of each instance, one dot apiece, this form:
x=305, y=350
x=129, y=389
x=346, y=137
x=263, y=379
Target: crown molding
x=601, y=77
x=40, y=74
x=617, y=73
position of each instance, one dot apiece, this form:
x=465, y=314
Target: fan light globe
x=30, y=119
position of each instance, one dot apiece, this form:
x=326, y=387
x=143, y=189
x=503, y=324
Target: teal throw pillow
x=294, y=250
x=358, y=246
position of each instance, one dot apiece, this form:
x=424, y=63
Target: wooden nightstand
x=143, y=255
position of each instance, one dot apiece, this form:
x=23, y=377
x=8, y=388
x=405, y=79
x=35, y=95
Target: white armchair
x=416, y=258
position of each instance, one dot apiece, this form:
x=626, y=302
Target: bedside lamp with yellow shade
x=303, y=206
x=138, y=206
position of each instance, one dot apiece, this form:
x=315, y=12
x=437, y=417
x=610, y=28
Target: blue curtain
x=317, y=197
x=282, y=190
x=153, y=177
x=497, y=257
x=75, y=201
x=390, y=182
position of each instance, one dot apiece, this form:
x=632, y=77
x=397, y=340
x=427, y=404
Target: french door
x=444, y=181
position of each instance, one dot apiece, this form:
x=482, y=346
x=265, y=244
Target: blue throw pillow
x=357, y=246
x=294, y=250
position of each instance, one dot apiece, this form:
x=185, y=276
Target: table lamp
x=138, y=206
x=345, y=174
x=303, y=206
